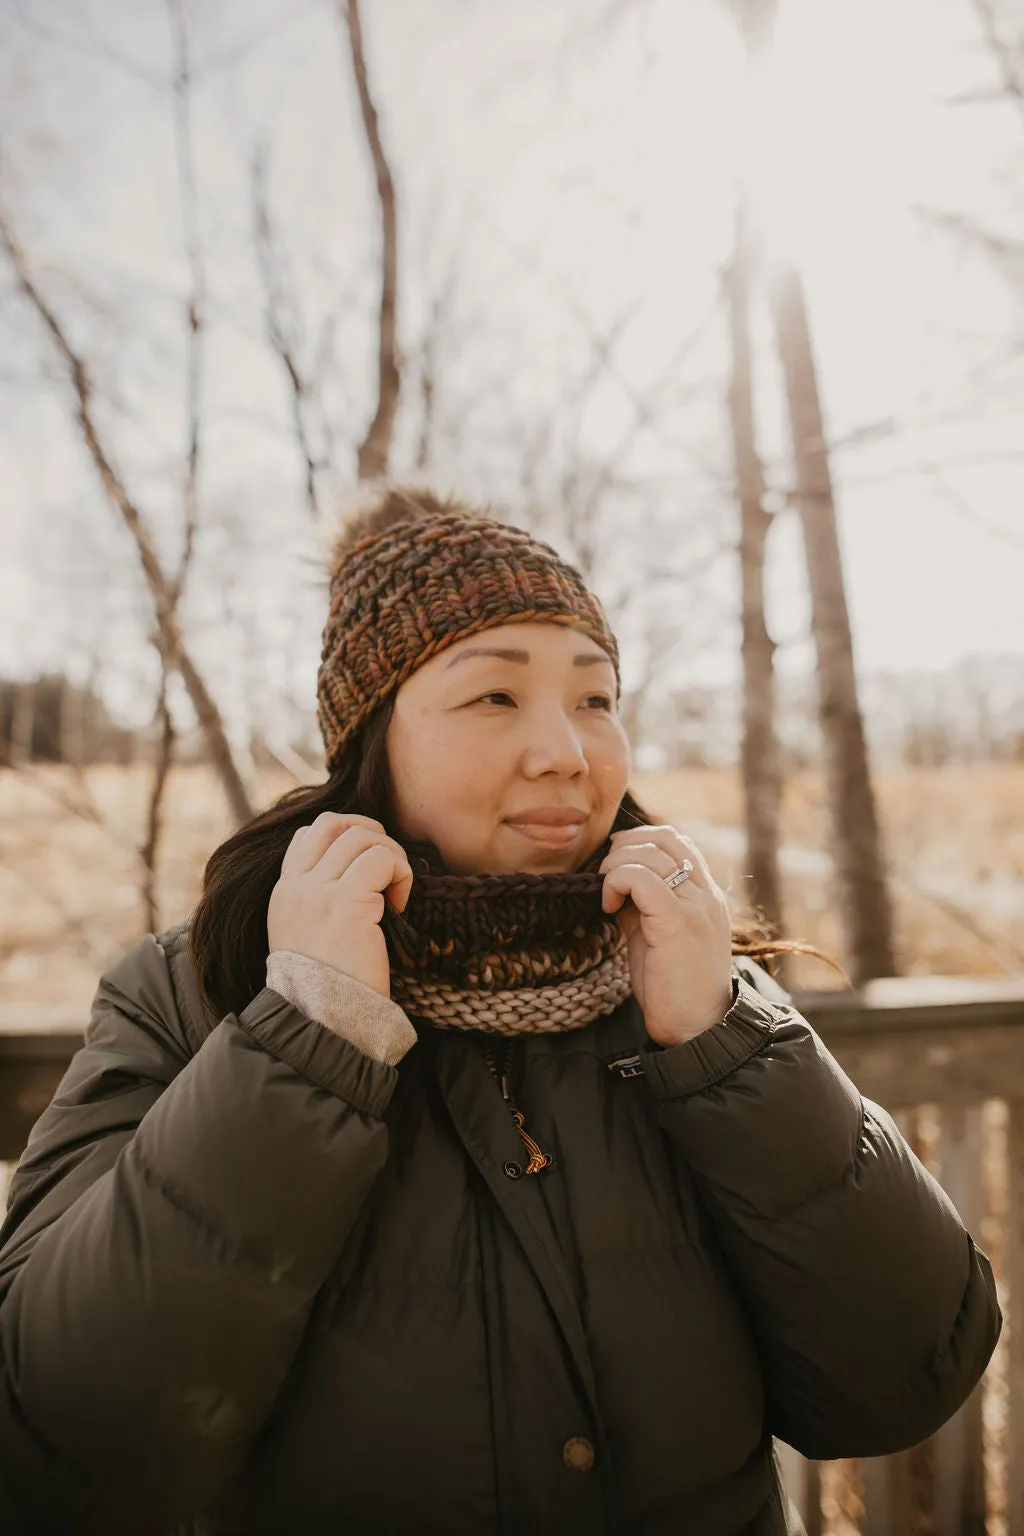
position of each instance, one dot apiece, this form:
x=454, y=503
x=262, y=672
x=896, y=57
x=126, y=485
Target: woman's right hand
x=330, y=897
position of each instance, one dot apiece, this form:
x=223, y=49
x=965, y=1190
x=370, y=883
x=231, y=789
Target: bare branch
x=1005, y=252
x=154, y=812
x=291, y=761
x=92, y=941
x=1008, y=59
x=963, y=508
x=440, y=311
x=280, y=336
x=86, y=47
x=160, y=586
x=79, y=803
x=1007, y=955
x=231, y=54
x=375, y=449
x=196, y=303
x=225, y=57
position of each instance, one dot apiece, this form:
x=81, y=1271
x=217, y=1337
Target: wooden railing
x=954, y=1045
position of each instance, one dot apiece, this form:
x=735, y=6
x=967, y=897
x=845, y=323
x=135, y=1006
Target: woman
x=453, y=1171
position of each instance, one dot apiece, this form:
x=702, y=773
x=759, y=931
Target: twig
x=1010, y=68
x=154, y=820
x=196, y=303
x=1000, y=950
x=92, y=942
x=375, y=449
x=1005, y=252
x=439, y=313
x=83, y=805
x=280, y=336
x=958, y=504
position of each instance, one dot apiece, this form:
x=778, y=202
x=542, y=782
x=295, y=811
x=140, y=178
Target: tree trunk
x=23, y=722
x=862, y=891
x=759, y=752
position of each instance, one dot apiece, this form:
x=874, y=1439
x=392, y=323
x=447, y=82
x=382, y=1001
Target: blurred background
x=722, y=298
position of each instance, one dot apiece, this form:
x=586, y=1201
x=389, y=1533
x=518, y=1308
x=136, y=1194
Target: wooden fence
x=952, y=1045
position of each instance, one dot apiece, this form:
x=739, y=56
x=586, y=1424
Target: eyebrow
x=585, y=659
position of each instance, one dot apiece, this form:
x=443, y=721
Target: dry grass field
x=69, y=870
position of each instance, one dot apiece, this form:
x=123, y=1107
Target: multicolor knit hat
x=412, y=574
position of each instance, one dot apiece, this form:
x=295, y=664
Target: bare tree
x=310, y=425
x=375, y=450
x=759, y=747
x=195, y=306
x=160, y=584
x=863, y=896
x=862, y=888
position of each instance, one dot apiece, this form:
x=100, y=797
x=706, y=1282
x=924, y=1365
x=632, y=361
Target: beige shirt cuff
x=365, y=1018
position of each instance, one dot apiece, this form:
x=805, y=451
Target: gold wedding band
x=683, y=872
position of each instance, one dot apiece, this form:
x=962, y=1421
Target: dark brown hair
x=228, y=933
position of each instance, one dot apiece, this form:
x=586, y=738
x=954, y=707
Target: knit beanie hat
x=410, y=575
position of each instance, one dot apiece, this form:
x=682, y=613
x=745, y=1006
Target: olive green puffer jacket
x=252, y=1280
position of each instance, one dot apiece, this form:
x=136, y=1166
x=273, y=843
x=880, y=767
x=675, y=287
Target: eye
x=602, y=699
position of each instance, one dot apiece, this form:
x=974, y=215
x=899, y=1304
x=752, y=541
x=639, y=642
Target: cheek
x=611, y=764
x=446, y=778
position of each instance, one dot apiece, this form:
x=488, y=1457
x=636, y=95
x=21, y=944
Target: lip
x=549, y=816
x=555, y=835
x=555, y=825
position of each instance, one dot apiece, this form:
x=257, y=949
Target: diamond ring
x=679, y=875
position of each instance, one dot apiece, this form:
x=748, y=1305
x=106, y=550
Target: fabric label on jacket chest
x=629, y=1065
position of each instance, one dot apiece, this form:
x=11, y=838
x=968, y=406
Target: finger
x=693, y=853
x=381, y=868
x=650, y=895
x=673, y=844
x=658, y=859
x=344, y=851
x=309, y=844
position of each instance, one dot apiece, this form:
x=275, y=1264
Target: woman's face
x=480, y=742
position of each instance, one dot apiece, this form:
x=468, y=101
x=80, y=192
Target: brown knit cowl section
x=512, y=954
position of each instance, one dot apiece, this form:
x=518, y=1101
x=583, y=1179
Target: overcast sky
x=565, y=170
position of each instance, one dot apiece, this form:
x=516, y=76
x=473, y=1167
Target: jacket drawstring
x=538, y=1160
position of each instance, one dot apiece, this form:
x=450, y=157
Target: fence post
x=888, y=1495
x=887, y=1482
x=959, y=1450
x=802, y=1479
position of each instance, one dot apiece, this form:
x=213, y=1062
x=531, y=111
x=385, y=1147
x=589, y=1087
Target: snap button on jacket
x=578, y=1454
x=253, y=1281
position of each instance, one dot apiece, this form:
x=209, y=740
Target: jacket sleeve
x=874, y=1311
x=168, y=1228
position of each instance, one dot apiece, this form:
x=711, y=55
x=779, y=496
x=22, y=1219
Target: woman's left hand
x=679, y=938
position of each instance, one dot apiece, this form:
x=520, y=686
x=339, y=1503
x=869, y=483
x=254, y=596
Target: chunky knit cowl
x=513, y=954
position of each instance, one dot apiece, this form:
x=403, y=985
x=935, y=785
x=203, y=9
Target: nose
x=553, y=746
